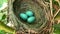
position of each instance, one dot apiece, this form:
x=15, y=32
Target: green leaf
x=2, y=32
x=55, y=2
x=57, y=28
x=3, y=17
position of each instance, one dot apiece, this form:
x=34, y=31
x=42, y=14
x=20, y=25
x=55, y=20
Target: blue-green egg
x=23, y=16
x=31, y=19
x=29, y=13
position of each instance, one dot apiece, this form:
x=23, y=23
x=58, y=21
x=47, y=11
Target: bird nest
x=39, y=9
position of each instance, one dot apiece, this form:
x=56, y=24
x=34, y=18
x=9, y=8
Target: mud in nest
x=20, y=6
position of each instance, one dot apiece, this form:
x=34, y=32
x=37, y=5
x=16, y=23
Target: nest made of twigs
x=20, y=6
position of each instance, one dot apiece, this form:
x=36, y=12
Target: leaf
x=6, y=28
x=3, y=17
x=57, y=28
x=4, y=32
x=55, y=2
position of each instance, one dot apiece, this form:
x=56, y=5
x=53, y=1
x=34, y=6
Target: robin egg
x=23, y=16
x=29, y=13
x=31, y=19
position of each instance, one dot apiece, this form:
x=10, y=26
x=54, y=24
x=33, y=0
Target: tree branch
x=51, y=7
x=56, y=13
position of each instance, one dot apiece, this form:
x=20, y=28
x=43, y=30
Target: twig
x=40, y=2
x=51, y=7
x=51, y=13
x=56, y=13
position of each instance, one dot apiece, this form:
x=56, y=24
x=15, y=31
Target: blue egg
x=31, y=19
x=29, y=13
x=23, y=16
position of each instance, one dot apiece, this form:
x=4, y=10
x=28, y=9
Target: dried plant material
x=41, y=12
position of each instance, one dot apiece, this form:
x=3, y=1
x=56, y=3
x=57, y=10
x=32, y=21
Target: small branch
x=56, y=13
x=51, y=7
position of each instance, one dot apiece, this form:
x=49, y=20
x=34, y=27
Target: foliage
x=55, y=9
x=3, y=17
x=4, y=29
x=57, y=28
x=4, y=32
x=2, y=1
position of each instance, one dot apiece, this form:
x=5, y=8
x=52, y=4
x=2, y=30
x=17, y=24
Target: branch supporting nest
x=51, y=7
